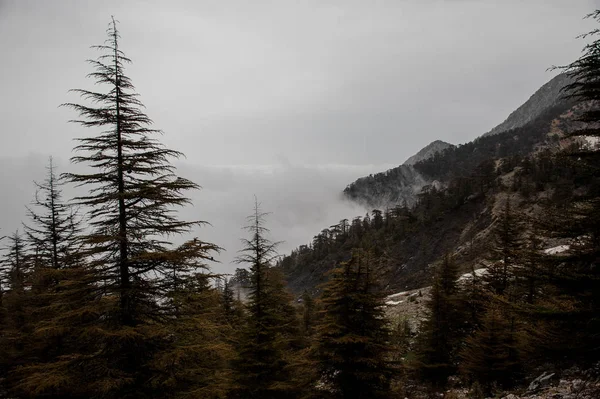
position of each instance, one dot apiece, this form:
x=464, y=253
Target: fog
x=289, y=101
x=301, y=199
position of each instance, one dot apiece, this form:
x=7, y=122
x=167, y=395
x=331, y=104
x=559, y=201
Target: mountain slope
x=384, y=190
x=428, y=151
x=452, y=215
x=432, y=166
x=399, y=185
x=545, y=97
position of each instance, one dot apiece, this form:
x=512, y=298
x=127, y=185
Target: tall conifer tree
x=574, y=275
x=352, y=346
x=440, y=333
x=265, y=368
x=118, y=304
x=54, y=224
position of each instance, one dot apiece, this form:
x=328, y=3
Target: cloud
x=235, y=82
x=287, y=100
x=301, y=199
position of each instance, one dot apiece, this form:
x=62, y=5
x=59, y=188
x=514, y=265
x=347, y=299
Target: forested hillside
x=432, y=165
x=446, y=216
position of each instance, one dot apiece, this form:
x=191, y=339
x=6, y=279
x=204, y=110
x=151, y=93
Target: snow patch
x=393, y=303
x=403, y=293
x=557, y=250
x=477, y=272
x=592, y=142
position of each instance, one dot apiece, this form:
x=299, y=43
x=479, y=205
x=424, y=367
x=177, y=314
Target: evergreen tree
x=54, y=224
x=352, y=347
x=265, y=368
x=196, y=364
x=571, y=306
x=439, y=334
x=14, y=300
x=504, y=249
x=117, y=304
x=133, y=188
x=490, y=356
x=585, y=75
x=51, y=241
x=308, y=313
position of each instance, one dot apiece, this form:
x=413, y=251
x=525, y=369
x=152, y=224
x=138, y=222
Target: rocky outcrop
x=547, y=96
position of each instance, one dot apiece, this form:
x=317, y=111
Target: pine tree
x=232, y=308
x=504, y=250
x=265, y=368
x=14, y=300
x=585, y=75
x=133, y=189
x=54, y=224
x=352, y=346
x=571, y=306
x=308, y=314
x=50, y=245
x=117, y=303
x=440, y=333
x=196, y=364
x=490, y=356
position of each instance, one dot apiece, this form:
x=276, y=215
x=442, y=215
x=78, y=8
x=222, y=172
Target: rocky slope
x=428, y=151
x=547, y=96
x=403, y=183
x=449, y=198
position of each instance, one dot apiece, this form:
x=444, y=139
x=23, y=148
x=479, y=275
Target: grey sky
x=318, y=91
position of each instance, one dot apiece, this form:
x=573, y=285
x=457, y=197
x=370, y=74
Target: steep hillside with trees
x=454, y=214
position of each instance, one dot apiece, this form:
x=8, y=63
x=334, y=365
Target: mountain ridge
x=545, y=97
x=428, y=151
x=444, y=202
x=404, y=183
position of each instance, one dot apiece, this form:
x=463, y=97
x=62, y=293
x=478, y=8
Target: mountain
x=428, y=151
x=399, y=185
x=446, y=202
x=545, y=97
x=386, y=189
x=404, y=183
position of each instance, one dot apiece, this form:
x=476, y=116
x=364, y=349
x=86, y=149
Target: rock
x=577, y=385
x=540, y=382
x=428, y=151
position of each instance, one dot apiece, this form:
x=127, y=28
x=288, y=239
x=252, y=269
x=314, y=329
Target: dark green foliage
x=308, y=314
x=133, y=188
x=352, y=346
x=117, y=309
x=463, y=160
x=266, y=366
x=438, y=341
x=571, y=302
x=585, y=73
x=54, y=225
x=14, y=271
x=490, y=355
x=504, y=249
x=196, y=363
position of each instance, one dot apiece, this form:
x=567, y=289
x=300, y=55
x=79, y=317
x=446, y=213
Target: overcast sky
x=290, y=100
